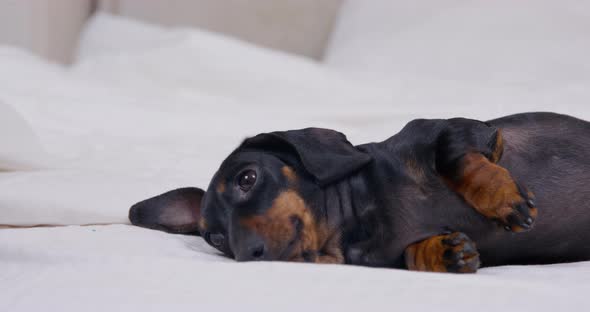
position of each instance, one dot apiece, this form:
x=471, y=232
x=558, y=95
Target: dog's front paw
x=454, y=253
x=460, y=254
x=507, y=201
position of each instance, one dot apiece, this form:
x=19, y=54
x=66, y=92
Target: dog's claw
x=522, y=212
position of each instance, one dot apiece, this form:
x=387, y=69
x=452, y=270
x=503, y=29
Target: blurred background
x=51, y=28
x=501, y=42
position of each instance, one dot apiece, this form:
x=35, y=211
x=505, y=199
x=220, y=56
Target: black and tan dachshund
x=441, y=195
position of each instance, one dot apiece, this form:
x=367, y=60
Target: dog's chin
x=294, y=249
x=302, y=256
x=297, y=252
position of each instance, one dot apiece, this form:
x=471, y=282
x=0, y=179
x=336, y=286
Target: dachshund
x=442, y=195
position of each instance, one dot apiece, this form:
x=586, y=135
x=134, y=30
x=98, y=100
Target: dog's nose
x=255, y=250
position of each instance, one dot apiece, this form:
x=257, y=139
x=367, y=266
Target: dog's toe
x=521, y=215
x=460, y=255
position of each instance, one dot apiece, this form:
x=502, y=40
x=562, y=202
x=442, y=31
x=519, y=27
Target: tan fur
x=499, y=149
x=487, y=187
x=277, y=229
x=202, y=224
x=289, y=173
x=428, y=255
x=221, y=187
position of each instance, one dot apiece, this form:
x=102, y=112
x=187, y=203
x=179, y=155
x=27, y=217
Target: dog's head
x=261, y=204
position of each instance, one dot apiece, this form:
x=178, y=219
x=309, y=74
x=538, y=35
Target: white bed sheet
x=123, y=268
x=124, y=126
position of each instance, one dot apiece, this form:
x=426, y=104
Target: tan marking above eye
x=289, y=173
x=221, y=187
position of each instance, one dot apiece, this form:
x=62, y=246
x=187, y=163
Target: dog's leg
x=467, y=156
x=493, y=192
x=366, y=254
x=453, y=252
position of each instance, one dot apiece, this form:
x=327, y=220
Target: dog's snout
x=254, y=250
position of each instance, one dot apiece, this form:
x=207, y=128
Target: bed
x=145, y=109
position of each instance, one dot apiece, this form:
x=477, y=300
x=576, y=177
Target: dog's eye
x=247, y=180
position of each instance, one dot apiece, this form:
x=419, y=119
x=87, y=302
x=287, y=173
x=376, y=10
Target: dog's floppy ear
x=325, y=154
x=177, y=211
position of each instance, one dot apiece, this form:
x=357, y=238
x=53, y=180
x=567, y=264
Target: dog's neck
x=347, y=203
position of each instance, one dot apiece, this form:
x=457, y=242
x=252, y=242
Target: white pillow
x=150, y=60
x=174, y=65
x=20, y=148
x=106, y=34
x=502, y=41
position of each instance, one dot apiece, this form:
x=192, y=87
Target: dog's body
x=423, y=199
x=551, y=155
x=546, y=152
